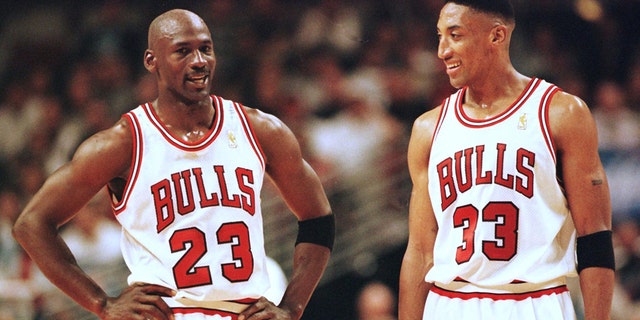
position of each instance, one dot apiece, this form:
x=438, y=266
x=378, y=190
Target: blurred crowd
x=348, y=77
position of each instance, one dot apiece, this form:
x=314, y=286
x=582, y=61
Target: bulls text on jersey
x=176, y=194
x=457, y=174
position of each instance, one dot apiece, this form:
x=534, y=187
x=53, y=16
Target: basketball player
x=184, y=173
x=507, y=188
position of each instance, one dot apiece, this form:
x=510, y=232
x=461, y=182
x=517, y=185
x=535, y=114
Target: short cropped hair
x=501, y=8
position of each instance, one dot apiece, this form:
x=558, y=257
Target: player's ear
x=499, y=34
x=149, y=60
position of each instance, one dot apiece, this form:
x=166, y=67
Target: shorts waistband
x=512, y=291
x=222, y=308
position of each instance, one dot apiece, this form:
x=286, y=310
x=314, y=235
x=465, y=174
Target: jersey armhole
x=249, y=132
x=136, y=159
x=545, y=126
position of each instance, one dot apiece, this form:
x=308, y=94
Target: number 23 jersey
x=501, y=212
x=190, y=213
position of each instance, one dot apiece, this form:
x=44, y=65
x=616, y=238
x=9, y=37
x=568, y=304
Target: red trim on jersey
x=499, y=296
x=467, y=121
x=209, y=312
x=441, y=116
x=251, y=135
x=545, y=102
x=516, y=281
x=136, y=160
x=246, y=301
x=211, y=135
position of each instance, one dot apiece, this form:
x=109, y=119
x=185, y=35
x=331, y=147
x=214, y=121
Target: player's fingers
x=261, y=309
x=158, y=306
x=252, y=309
x=153, y=304
x=153, y=312
x=157, y=290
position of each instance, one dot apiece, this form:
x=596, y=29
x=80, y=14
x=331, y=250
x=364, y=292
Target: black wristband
x=596, y=250
x=320, y=231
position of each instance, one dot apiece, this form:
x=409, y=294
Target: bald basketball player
x=184, y=173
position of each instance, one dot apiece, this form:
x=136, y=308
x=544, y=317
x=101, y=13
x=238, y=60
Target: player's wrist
x=295, y=312
x=99, y=306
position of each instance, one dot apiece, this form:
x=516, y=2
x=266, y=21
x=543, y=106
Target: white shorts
x=461, y=300
x=202, y=316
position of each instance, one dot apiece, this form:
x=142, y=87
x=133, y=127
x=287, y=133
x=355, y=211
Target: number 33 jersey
x=190, y=213
x=501, y=212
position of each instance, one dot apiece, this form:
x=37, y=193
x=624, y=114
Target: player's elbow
x=19, y=230
x=418, y=258
x=23, y=228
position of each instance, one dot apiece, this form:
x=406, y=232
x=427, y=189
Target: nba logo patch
x=522, y=122
x=233, y=143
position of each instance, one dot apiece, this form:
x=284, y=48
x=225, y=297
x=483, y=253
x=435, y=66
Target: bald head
x=168, y=24
x=181, y=55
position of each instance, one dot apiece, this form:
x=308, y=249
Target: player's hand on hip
x=139, y=302
x=264, y=309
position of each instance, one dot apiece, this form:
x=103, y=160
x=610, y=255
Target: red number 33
x=505, y=217
x=193, y=242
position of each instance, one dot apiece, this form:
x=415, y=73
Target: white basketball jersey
x=191, y=212
x=501, y=212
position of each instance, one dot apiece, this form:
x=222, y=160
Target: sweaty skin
x=474, y=47
x=181, y=56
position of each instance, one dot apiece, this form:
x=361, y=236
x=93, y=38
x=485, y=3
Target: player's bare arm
x=292, y=175
x=574, y=132
x=99, y=160
x=418, y=257
x=587, y=190
x=302, y=190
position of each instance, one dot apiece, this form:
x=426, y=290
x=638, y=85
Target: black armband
x=320, y=231
x=596, y=250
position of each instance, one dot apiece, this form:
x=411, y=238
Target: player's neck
x=189, y=121
x=491, y=98
x=491, y=94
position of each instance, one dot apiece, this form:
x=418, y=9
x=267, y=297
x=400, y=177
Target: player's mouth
x=199, y=80
x=451, y=67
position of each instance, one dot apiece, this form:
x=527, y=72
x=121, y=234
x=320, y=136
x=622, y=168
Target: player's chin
x=456, y=83
x=197, y=95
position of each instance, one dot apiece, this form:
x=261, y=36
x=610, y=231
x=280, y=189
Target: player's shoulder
x=260, y=117
x=264, y=123
x=567, y=106
x=569, y=119
x=106, y=153
x=118, y=136
x=426, y=122
x=563, y=99
x=260, y=121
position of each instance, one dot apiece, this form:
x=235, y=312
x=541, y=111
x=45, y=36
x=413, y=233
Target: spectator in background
x=626, y=303
x=618, y=125
x=376, y=301
x=360, y=136
x=619, y=145
x=331, y=23
x=16, y=292
x=18, y=117
x=633, y=85
x=628, y=257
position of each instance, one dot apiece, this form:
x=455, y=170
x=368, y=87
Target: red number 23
x=193, y=242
